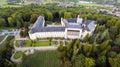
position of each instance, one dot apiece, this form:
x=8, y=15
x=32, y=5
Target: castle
x=71, y=28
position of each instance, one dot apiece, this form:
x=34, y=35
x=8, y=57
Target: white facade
x=46, y=35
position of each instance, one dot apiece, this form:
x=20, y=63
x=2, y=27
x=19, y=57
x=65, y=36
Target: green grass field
x=28, y=43
x=42, y=59
x=42, y=43
x=3, y=3
x=93, y=5
x=18, y=54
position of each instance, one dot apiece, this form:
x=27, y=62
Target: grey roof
x=39, y=22
x=69, y=23
x=86, y=22
x=72, y=20
x=73, y=25
x=48, y=29
x=90, y=26
x=51, y=29
x=33, y=30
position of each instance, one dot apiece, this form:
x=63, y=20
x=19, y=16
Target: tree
x=26, y=24
x=111, y=22
x=89, y=62
x=2, y=22
x=67, y=15
x=115, y=62
x=49, y=16
x=50, y=39
x=11, y=21
x=19, y=24
x=118, y=25
x=100, y=20
x=19, y=20
x=61, y=13
x=94, y=52
x=8, y=63
x=56, y=15
x=112, y=54
x=87, y=49
x=101, y=61
x=33, y=18
x=79, y=61
x=104, y=48
x=69, y=52
x=113, y=32
x=100, y=28
x=61, y=51
x=117, y=40
x=21, y=33
x=105, y=36
x=26, y=32
x=24, y=56
x=86, y=38
x=26, y=17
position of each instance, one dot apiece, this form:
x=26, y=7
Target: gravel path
x=15, y=60
x=5, y=38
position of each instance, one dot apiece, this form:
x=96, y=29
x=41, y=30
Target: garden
x=18, y=54
x=30, y=43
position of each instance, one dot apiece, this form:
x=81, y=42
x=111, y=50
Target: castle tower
x=62, y=22
x=79, y=19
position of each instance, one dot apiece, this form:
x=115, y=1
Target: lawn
x=1, y=38
x=42, y=43
x=18, y=54
x=28, y=43
x=42, y=59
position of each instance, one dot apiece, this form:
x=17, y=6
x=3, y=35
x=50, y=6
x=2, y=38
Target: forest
x=102, y=49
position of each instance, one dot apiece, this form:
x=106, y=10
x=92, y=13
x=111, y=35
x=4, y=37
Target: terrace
x=18, y=54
